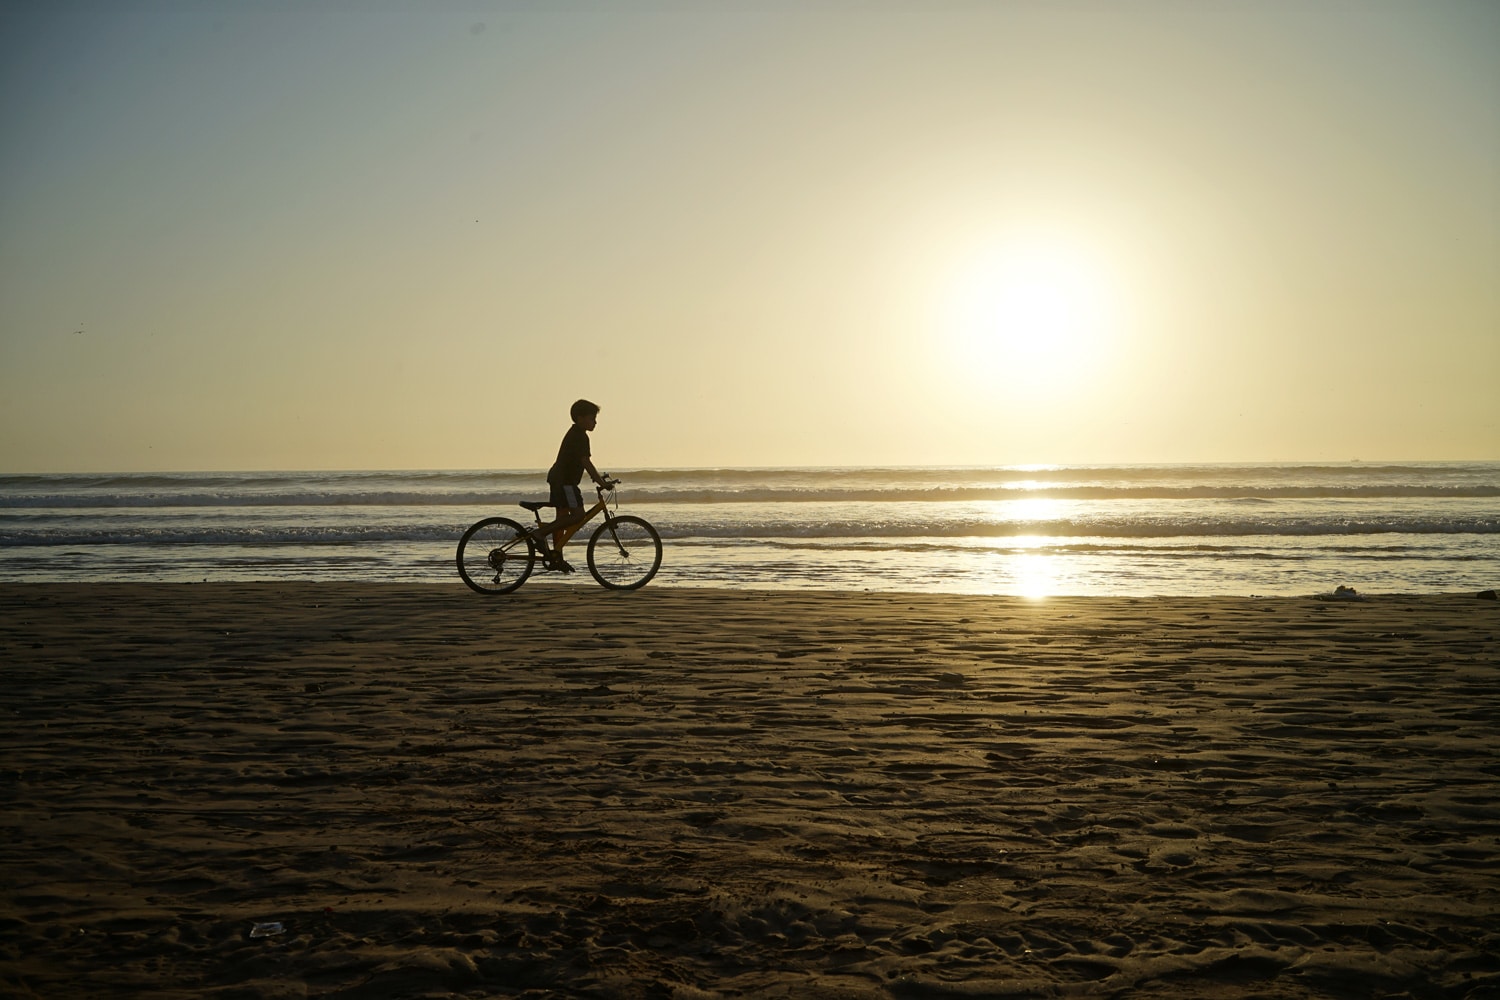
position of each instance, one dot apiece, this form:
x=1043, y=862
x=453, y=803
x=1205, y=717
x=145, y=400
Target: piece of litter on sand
x=267, y=929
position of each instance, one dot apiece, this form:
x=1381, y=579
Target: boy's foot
x=556, y=563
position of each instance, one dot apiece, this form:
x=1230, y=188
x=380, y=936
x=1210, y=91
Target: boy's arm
x=588, y=463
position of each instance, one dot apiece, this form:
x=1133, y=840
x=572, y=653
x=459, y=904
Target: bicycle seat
x=535, y=505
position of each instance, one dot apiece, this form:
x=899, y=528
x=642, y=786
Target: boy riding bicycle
x=496, y=554
x=573, y=460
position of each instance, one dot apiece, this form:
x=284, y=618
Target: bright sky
x=407, y=235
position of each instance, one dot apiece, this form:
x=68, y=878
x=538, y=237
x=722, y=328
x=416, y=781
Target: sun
x=1034, y=313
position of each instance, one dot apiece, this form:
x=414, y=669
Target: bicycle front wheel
x=495, y=556
x=624, y=553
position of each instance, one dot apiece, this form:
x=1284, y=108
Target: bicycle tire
x=624, y=553
x=495, y=556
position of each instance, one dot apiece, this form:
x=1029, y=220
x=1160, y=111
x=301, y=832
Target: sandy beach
x=696, y=793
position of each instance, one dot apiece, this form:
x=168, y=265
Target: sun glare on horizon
x=1035, y=313
x=761, y=235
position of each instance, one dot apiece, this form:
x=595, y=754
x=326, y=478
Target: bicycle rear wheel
x=495, y=556
x=624, y=553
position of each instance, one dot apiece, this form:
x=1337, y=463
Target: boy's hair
x=583, y=409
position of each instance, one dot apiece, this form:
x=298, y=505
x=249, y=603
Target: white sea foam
x=1237, y=483
x=1155, y=529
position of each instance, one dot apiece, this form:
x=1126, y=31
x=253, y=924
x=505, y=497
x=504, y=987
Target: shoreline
x=695, y=792
x=581, y=584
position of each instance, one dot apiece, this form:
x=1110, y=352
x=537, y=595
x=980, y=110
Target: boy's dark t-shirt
x=571, y=457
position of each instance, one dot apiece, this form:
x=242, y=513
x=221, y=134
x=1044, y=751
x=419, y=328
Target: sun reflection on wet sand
x=1034, y=574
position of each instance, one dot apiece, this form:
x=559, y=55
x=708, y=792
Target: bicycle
x=496, y=555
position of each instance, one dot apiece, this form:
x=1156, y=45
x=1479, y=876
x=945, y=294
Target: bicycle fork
x=614, y=537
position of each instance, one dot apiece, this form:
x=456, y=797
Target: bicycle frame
x=577, y=526
x=496, y=554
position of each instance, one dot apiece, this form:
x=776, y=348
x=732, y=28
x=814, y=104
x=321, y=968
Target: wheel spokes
x=624, y=553
x=495, y=556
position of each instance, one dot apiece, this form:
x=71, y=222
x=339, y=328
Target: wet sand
x=681, y=793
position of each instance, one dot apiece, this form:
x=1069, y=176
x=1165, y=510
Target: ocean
x=1035, y=531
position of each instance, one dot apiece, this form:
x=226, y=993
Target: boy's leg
x=566, y=518
x=568, y=501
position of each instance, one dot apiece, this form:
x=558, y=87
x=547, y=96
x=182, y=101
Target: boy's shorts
x=566, y=496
